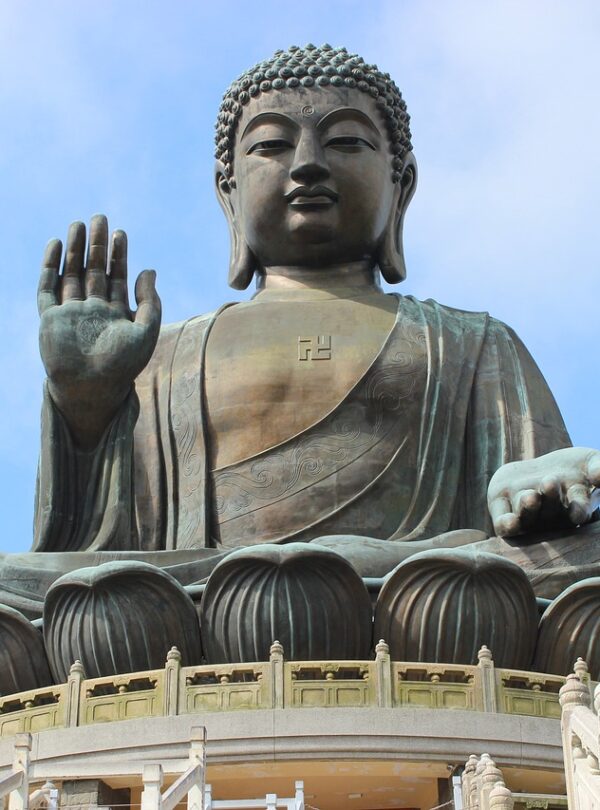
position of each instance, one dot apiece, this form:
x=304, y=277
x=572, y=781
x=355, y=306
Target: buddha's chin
x=311, y=227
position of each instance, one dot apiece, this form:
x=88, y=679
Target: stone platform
x=386, y=733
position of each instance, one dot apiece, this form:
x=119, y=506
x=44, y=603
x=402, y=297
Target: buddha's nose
x=310, y=165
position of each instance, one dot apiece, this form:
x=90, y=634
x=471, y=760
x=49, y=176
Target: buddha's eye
x=349, y=143
x=270, y=146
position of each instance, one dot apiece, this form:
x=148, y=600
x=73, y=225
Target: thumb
x=149, y=307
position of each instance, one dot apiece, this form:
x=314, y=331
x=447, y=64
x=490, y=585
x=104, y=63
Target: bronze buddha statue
x=322, y=409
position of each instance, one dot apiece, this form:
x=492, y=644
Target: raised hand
x=554, y=491
x=92, y=345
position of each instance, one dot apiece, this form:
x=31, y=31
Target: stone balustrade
x=278, y=684
x=482, y=787
x=580, y=728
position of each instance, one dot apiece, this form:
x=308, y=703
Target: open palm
x=92, y=345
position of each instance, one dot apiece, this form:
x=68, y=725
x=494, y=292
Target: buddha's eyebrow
x=349, y=113
x=266, y=118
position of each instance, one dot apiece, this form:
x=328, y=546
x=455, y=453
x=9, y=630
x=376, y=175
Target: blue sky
x=109, y=107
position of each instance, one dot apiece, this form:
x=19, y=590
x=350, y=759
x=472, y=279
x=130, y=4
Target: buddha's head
x=314, y=165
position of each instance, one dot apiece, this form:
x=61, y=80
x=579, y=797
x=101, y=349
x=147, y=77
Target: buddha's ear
x=390, y=254
x=242, y=263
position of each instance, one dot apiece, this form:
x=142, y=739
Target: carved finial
x=471, y=764
x=276, y=650
x=382, y=650
x=500, y=797
x=580, y=668
x=573, y=693
x=173, y=654
x=484, y=655
x=77, y=668
x=483, y=762
x=491, y=774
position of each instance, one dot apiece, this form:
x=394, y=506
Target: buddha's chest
x=273, y=370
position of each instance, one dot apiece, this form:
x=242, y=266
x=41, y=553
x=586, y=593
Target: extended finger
x=46, y=296
x=118, y=270
x=73, y=267
x=95, y=271
x=506, y=523
x=527, y=504
x=579, y=505
x=149, y=306
x=551, y=489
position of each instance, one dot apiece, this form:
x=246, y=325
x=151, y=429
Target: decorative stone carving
x=443, y=605
x=307, y=597
x=118, y=617
x=569, y=629
x=23, y=662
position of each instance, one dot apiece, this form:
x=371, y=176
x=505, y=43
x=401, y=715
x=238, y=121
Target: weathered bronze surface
x=322, y=406
x=306, y=597
x=570, y=629
x=118, y=617
x=444, y=605
x=23, y=662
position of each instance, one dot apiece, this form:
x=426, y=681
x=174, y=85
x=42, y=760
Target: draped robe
x=406, y=454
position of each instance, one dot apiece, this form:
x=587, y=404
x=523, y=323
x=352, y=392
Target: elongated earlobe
x=390, y=255
x=242, y=262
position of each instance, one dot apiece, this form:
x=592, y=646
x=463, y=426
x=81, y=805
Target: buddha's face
x=313, y=177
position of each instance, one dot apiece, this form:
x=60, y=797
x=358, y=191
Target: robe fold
x=406, y=454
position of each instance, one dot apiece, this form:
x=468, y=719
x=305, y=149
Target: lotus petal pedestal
x=305, y=596
x=444, y=605
x=118, y=617
x=570, y=629
x=23, y=662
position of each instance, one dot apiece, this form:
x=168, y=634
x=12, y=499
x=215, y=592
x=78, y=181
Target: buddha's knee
x=570, y=629
x=306, y=597
x=23, y=662
x=118, y=617
x=444, y=605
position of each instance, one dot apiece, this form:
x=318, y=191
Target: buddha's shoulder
x=467, y=319
x=171, y=331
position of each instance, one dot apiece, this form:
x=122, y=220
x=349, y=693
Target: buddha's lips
x=307, y=196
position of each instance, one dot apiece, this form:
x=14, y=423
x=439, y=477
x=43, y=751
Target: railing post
x=207, y=797
x=490, y=776
x=271, y=801
x=195, y=799
x=572, y=694
x=74, y=681
x=475, y=797
x=383, y=670
x=467, y=777
x=487, y=680
x=299, y=795
x=501, y=798
x=580, y=668
x=152, y=777
x=19, y=798
x=172, y=673
x=277, y=674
